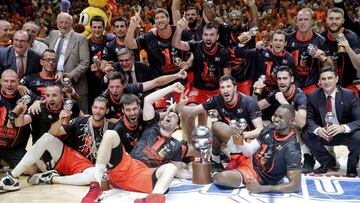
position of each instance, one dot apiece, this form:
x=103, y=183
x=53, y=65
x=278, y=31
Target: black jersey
x=196, y=33
x=298, y=99
x=84, y=138
x=267, y=63
x=41, y=122
x=344, y=67
x=245, y=107
x=11, y=136
x=114, y=47
x=161, y=54
x=129, y=136
x=306, y=67
x=37, y=83
x=114, y=106
x=276, y=156
x=153, y=149
x=208, y=67
x=98, y=49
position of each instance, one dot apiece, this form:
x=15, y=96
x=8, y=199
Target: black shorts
x=12, y=156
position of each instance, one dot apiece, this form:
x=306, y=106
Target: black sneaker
x=308, y=165
x=8, y=182
x=216, y=167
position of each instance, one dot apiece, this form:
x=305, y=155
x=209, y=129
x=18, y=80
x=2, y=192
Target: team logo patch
x=216, y=59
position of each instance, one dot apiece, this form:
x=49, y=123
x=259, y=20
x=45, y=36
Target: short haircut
x=192, y=8
x=30, y=38
x=285, y=68
x=8, y=71
x=33, y=23
x=309, y=10
x=290, y=108
x=127, y=99
x=58, y=86
x=116, y=75
x=236, y=13
x=278, y=32
x=226, y=78
x=102, y=99
x=328, y=69
x=97, y=19
x=119, y=18
x=161, y=10
x=209, y=26
x=125, y=50
x=335, y=10
x=48, y=50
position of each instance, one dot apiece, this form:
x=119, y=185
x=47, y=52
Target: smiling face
x=97, y=28
x=5, y=31
x=99, y=110
x=131, y=112
x=328, y=81
x=161, y=21
x=227, y=91
x=48, y=61
x=282, y=119
x=64, y=23
x=21, y=42
x=278, y=43
x=9, y=83
x=120, y=29
x=284, y=81
x=304, y=21
x=334, y=21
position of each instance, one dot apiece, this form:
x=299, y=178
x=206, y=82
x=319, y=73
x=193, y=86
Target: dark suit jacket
x=143, y=72
x=8, y=60
x=347, y=109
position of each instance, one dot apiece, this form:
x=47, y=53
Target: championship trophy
x=311, y=49
x=68, y=104
x=66, y=82
x=261, y=80
x=329, y=120
x=340, y=37
x=202, y=141
x=26, y=99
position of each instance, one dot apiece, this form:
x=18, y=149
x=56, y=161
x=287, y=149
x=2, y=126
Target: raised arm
x=163, y=80
x=130, y=41
x=176, y=41
x=209, y=14
x=149, y=111
x=253, y=10
x=175, y=10
x=188, y=110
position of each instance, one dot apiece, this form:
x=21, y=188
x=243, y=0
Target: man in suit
x=72, y=56
x=344, y=128
x=19, y=56
x=134, y=71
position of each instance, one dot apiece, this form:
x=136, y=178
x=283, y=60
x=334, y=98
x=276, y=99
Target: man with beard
x=5, y=33
x=307, y=61
x=269, y=59
x=120, y=27
x=210, y=63
x=154, y=161
x=98, y=53
x=242, y=68
x=346, y=58
x=13, y=138
x=71, y=163
x=231, y=105
x=117, y=86
x=266, y=160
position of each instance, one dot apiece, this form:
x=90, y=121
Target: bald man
x=72, y=56
x=5, y=33
x=36, y=45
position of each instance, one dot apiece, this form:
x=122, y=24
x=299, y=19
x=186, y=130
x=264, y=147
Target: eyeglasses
x=125, y=60
x=48, y=60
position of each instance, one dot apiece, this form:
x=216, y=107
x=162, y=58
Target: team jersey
x=84, y=138
x=306, y=67
x=208, y=67
x=11, y=136
x=161, y=54
x=344, y=67
x=244, y=107
x=298, y=99
x=196, y=33
x=129, y=135
x=37, y=83
x=41, y=122
x=115, y=106
x=153, y=149
x=98, y=49
x=267, y=63
x=113, y=48
x=276, y=156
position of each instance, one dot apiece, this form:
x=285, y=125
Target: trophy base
x=201, y=173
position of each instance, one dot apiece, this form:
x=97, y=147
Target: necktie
x=21, y=68
x=59, y=48
x=328, y=104
x=130, y=80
